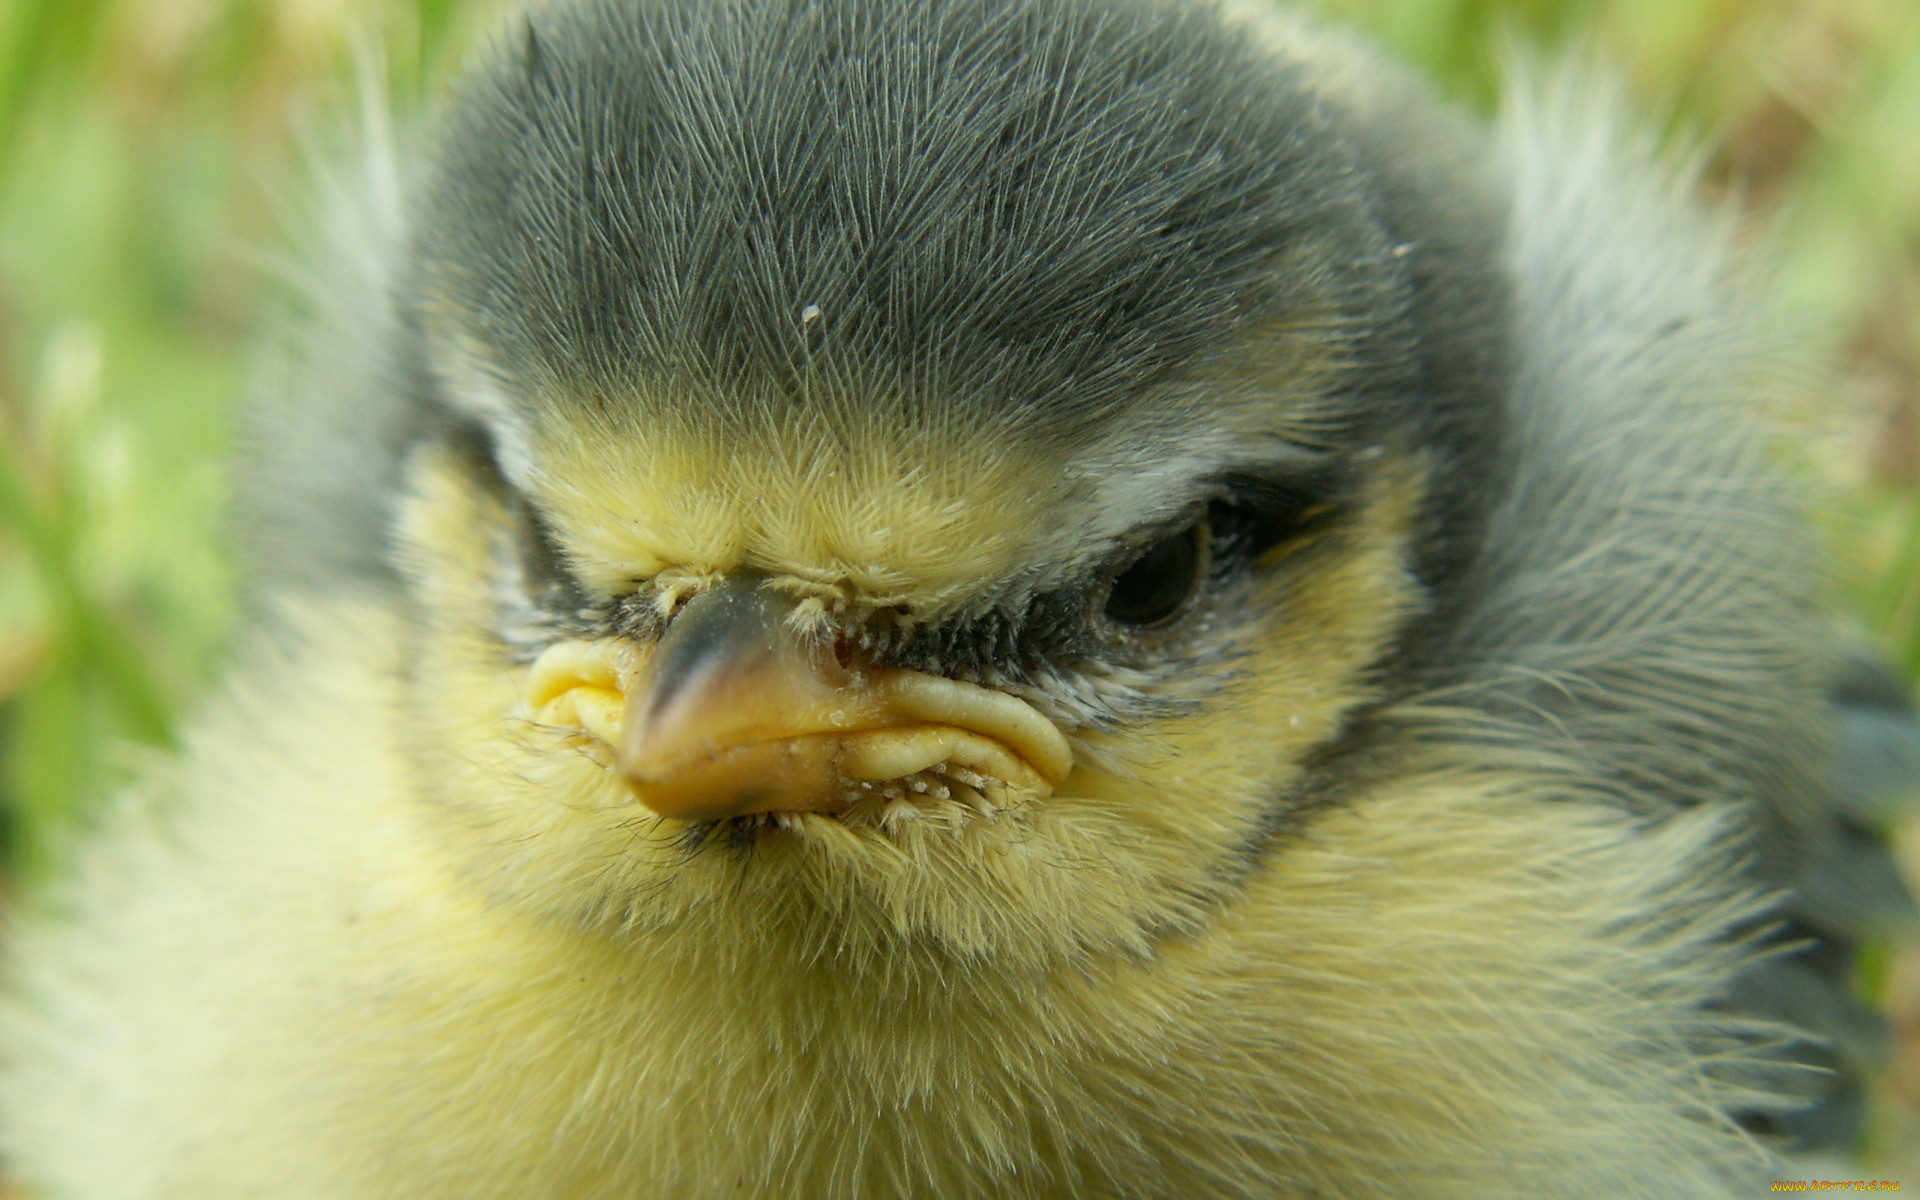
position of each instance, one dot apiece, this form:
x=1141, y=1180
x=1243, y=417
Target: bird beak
x=732, y=712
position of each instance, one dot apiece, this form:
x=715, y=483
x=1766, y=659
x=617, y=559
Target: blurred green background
x=150, y=158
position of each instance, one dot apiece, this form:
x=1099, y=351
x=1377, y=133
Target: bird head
x=953, y=470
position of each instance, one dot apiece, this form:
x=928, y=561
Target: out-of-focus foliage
x=149, y=150
x=150, y=162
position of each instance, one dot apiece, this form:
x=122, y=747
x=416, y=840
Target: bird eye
x=1158, y=584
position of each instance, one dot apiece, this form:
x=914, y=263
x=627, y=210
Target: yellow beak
x=733, y=713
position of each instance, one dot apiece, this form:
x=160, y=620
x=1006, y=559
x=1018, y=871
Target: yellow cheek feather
x=1204, y=781
x=1470, y=979
x=1470, y=957
x=1112, y=854
x=535, y=809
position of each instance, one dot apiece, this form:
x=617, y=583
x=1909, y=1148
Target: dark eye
x=1157, y=587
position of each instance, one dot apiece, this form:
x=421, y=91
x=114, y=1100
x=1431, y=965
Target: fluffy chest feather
x=1392, y=997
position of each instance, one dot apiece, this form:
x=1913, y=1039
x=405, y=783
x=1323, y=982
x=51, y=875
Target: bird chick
x=1020, y=598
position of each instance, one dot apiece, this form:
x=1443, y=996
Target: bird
x=1018, y=598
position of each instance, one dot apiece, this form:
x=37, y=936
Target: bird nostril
x=672, y=604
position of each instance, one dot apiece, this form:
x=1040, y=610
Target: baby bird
x=1017, y=598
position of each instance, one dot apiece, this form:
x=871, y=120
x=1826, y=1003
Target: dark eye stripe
x=1257, y=512
x=539, y=548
